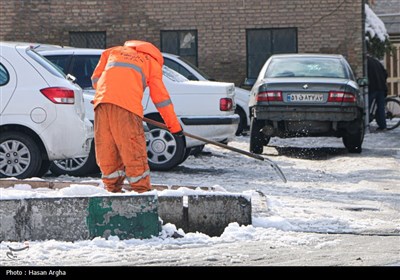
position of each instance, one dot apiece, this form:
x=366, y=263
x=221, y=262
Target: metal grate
x=93, y=40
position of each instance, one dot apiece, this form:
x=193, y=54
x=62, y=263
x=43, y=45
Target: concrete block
x=171, y=210
x=79, y=218
x=209, y=214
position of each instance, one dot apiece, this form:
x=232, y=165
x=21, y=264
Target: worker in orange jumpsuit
x=120, y=78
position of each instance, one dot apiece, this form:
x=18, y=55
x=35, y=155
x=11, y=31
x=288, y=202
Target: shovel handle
x=161, y=125
x=273, y=164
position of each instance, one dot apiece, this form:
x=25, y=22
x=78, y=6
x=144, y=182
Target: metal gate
x=392, y=65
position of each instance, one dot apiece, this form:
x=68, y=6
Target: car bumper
x=215, y=128
x=282, y=113
x=77, y=145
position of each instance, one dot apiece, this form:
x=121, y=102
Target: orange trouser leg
x=107, y=155
x=132, y=147
x=127, y=132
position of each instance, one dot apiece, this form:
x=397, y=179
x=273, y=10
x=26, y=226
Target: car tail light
x=225, y=104
x=59, y=95
x=269, y=96
x=341, y=96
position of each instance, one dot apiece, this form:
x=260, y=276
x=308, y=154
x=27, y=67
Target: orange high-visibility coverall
x=121, y=76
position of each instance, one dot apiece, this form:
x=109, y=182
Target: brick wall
x=329, y=26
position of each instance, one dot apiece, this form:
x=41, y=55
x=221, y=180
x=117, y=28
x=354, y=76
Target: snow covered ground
x=336, y=209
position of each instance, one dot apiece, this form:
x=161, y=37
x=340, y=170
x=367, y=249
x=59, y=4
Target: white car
x=204, y=108
x=191, y=72
x=42, y=116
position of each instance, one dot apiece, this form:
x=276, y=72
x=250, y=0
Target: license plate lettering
x=305, y=97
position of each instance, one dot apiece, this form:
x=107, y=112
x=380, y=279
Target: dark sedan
x=298, y=95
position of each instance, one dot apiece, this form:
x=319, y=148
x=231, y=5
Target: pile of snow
x=25, y=191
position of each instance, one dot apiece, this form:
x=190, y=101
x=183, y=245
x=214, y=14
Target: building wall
x=328, y=26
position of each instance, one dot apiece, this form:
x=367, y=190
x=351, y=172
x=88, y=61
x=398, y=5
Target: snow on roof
x=374, y=26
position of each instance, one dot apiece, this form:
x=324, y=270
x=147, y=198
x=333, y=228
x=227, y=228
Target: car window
x=82, y=69
x=204, y=75
x=349, y=69
x=306, y=67
x=4, y=76
x=173, y=75
x=179, y=68
x=47, y=64
x=61, y=61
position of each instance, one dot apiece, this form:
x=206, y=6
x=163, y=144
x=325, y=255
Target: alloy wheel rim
x=15, y=158
x=161, y=146
x=71, y=164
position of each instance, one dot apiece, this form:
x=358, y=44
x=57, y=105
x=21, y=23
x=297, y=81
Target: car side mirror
x=362, y=82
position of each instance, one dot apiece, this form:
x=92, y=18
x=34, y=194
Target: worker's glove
x=179, y=134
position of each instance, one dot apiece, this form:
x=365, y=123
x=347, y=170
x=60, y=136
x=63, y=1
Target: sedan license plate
x=305, y=97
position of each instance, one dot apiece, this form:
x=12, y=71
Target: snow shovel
x=270, y=162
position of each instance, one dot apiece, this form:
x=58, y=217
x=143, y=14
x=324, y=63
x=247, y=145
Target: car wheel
x=20, y=156
x=196, y=150
x=80, y=166
x=44, y=168
x=164, y=150
x=186, y=154
x=354, y=138
x=242, y=121
x=257, y=138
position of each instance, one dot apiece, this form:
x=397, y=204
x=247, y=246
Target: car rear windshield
x=306, y=67
x=205, y=76
x=173, y=75
x=48, y=65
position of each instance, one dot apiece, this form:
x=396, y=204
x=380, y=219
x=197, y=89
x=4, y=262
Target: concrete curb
x=127, y=216
x=79, y=218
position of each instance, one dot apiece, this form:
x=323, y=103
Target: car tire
x=257, y=138
x=80, y=166
x=186, y=155
x=21, y=155
x=196, y=150
x=354, y=138
x=164, y=150
x=242, y=121
x=44, y=168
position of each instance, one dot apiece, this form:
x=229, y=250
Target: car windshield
x=173, y=75
x=305, y=67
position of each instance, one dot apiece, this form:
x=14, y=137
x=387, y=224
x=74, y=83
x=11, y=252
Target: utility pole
x=365, y=67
